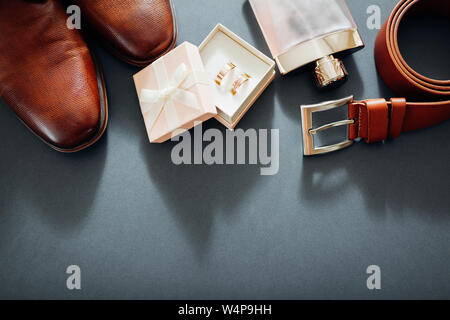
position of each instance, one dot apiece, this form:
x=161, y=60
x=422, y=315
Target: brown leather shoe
x=48, y=76
x=136, y=31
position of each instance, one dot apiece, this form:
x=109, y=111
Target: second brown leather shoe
x=136, y=31
x=48, y=76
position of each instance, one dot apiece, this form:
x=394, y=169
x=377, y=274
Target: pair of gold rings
x=243, y=78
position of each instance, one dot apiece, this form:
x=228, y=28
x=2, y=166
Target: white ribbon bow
x=154, y=101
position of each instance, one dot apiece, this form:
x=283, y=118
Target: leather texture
x=376, y=120
x=48, y=77
x=137, y=31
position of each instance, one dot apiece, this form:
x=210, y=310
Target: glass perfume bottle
x=300, y=32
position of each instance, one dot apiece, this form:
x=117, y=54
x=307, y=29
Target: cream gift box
x=178, y=90
x=174, y=93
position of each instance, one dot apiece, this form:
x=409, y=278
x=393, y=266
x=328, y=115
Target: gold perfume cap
x=329, y=70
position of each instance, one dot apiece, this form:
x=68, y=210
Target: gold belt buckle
x=309, y=149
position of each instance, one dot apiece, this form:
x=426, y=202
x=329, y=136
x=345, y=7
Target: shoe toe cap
x=76, y=124
x=136, y=30
x=78, y=129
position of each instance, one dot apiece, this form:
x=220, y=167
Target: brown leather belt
x=376, y=120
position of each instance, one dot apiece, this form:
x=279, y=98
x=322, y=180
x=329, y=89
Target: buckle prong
x=332, y=125
x=308, y=132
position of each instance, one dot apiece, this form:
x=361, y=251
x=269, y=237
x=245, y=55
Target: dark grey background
x=141, y=227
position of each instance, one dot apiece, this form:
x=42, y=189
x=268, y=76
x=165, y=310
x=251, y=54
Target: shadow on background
x=399, y=175
x=61, y=193
x=422, y=45
x=124, y=112
x=195, y=194
x=255, y=30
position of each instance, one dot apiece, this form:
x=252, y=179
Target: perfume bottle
x=301, y=32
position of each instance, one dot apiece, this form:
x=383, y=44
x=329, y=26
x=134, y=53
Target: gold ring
x=226, y=68
x=243, y=78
